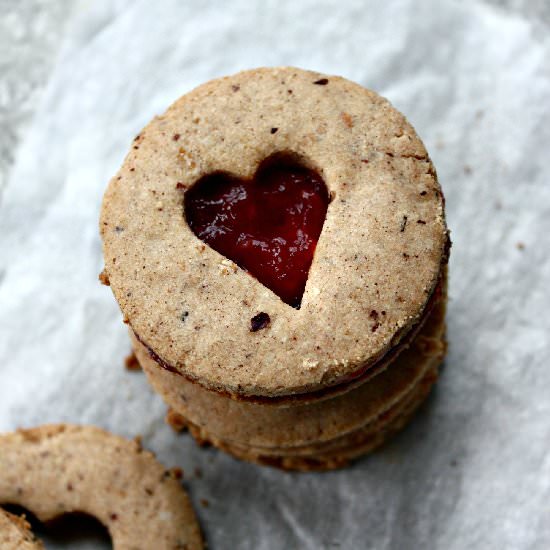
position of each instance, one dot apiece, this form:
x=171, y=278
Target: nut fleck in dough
x=57, y=469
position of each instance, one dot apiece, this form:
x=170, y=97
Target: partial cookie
x=15, y=533
x=57, y=469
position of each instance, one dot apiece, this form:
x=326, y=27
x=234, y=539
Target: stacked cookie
x=277, y=244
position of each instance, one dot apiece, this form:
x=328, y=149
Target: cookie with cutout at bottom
x=57, y=469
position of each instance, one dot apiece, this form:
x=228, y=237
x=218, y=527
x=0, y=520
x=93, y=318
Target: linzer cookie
x=59, y=469
x=277, y=244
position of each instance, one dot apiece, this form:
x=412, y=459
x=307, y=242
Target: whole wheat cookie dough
x=15, y=533
x=278, y=238
x=57, y=469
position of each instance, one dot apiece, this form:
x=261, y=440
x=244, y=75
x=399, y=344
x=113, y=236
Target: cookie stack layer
x=301, y=388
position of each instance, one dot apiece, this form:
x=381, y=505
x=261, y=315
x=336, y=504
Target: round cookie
x=57, y=469
x=377, y=262
x=15, y=533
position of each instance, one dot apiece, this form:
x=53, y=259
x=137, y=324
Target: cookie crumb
x=321, y=82
x=520, y=245
x=138, y=442
x=467, y=169
x=259, y=321
x=131, y=362
x=176, y=421
x=204, y=503
x=176, y=472
x=104, y=278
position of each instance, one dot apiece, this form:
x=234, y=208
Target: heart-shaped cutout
x=268, y=225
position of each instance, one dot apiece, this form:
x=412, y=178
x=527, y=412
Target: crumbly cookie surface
x=15, y=533
x=377, y=261
x=58, y=469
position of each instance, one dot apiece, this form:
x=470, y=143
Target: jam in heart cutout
x=268, y=225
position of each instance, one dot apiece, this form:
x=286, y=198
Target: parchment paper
x=473, y=469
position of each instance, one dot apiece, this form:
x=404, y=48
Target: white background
x=473, y=469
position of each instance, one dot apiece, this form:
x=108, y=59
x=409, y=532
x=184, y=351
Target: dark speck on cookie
x=259, y=321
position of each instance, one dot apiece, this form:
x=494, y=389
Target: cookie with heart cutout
x=15, y=533
x=277, y=236
x=57, y=469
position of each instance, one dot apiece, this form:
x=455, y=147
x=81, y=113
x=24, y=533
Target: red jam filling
x=268, y=225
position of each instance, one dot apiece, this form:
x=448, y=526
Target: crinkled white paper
x=473, y=469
